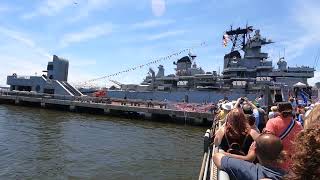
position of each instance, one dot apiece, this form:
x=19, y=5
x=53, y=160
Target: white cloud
x=88, y=6
x=158, y=7
x=81, y=8
x=316, y=78
x=164, y=35
x=306, y=15
x=22, y=63
x=87, y=34
x=4, y=8
x=23, y=39
x=20, y=54
x=152, y=24
x=180, y=1
x=49, y=8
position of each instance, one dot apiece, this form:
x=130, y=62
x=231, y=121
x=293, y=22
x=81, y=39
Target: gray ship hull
x=179, y=96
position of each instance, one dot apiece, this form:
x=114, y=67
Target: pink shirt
x=277, y=126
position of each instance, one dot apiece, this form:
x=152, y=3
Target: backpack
x=235, y=148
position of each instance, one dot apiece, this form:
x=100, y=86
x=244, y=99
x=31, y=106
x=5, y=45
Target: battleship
x=246, y=72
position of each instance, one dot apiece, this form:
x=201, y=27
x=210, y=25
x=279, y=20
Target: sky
x=102, y=37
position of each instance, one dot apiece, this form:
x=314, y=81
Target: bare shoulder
x=254, y=134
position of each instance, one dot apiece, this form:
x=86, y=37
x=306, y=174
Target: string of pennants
x=147, y=64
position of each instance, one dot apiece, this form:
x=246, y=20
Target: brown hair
x=285, y=109
x=236, y=124
x=251, y=119
x=313, y=116
x=306, y=160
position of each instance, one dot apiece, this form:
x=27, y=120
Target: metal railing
x=209, y=170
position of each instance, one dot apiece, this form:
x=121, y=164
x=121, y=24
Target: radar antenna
x=239, y=37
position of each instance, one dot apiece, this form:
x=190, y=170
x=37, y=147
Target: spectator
x=293, y=103
x=300, y=114
x=268, y=150
x=251, y=109
x=254, y=130
x=259, y=99
x=251, y=156
x=274, y=112
x=286, y=128
x=225, y=109
x=306, y=159
x=313, y=116
x=235, y=136
x=262, y=119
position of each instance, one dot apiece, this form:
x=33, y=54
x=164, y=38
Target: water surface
x=48, y=144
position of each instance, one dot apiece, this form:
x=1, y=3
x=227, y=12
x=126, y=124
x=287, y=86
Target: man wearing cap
x=286, y=128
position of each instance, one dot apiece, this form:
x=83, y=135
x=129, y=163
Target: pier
x=149, y=110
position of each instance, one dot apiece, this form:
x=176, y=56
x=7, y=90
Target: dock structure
x=110, y=106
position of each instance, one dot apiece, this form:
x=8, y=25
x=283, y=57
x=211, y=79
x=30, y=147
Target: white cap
x=227, y=106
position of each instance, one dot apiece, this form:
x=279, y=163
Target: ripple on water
x=46, y=144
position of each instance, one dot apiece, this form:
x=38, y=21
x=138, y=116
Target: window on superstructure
x=50, y=67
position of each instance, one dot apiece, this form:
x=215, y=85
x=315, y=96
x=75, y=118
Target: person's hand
x=226, y=153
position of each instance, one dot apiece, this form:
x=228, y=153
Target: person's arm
x=218, y=136
x=251, y=156
x=218, y=115
x=254, y=133
x=235, y=168
x=251, y=104
x=217, y=159
x=237, y=103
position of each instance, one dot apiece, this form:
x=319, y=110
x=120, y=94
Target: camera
x=242, y=100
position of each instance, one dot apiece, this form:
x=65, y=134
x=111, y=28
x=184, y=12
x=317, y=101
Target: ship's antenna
x=316, y=60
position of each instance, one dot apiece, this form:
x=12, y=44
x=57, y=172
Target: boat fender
x=207, y=141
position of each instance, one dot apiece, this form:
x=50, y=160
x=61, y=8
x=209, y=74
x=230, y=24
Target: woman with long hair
x=235, y=136
x=306, y=159
x=313, y=116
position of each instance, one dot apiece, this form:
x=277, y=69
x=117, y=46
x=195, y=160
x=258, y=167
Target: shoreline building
x=53, y=82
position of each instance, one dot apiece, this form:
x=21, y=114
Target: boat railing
x=209, y=170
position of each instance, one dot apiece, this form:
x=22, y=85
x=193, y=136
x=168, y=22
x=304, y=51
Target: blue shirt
x=256, y=116
x=300, y=119
x=243, y=170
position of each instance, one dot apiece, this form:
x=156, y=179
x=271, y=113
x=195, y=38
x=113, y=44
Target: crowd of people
x=278, y=142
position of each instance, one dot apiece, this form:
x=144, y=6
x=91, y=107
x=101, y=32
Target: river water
x=48, y=144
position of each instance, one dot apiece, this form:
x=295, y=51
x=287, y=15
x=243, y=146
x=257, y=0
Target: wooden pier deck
x=121, y=107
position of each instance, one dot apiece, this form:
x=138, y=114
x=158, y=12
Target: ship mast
x=238, y=37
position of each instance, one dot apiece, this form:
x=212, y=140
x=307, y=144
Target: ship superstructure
x=188, y=76
x=245, y=67
x=246, y=71
x=253, y=67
